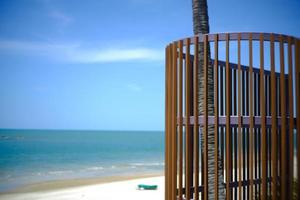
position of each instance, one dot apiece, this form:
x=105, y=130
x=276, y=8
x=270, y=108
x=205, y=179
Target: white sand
x=106, y=191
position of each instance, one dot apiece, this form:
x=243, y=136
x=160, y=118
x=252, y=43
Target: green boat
x=147, y=187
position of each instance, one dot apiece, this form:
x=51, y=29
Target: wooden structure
x=256, y=116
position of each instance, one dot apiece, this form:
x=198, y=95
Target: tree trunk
x=201, y=26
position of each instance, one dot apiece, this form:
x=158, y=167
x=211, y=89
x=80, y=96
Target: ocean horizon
x=33, y=156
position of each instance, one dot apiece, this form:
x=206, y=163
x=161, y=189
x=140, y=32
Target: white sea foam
x=96, y=168
x=38, y=173
x=60, y=172
x=148, y=164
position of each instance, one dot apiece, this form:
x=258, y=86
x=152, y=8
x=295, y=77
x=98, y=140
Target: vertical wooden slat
x=297, y=77
x=180, y=122
x=228, y=129
x=239, y=117
x=291, y=115
x=166, y=123
x=247, y=130
x=171, y=122
x=269, y=136
x=174, y=125
x=216, y=97
x=187, y=115
x=196, y=134
x=170, y=119
x=263, y=122
x=283, y=121
x=205, y=128
x=297, y=103
x=255, y=149
x=273, y=115
x=251, y=116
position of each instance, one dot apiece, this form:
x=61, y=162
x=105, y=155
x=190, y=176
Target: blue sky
x=100, y=64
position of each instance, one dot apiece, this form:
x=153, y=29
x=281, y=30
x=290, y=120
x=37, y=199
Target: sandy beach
x=112, y=188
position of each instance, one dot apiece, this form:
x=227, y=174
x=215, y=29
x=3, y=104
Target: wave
x=124, y=166
x=86, y=170
x=148, y=164
x=5, y=137
x=60, y=172
x=96, y=168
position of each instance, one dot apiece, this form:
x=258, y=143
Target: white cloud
x=74, y=52
x=118, y=55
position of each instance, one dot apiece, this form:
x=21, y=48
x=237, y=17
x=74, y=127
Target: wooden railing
x=241, y=130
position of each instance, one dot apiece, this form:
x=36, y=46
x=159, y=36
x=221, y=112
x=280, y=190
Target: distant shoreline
x=91, y=130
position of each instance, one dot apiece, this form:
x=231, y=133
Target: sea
x=33, y=156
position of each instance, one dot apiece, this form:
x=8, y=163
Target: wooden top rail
x=244, y=36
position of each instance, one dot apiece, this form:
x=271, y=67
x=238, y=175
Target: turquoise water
x=30, y=156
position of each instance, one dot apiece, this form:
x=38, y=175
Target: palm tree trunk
x=201, y=26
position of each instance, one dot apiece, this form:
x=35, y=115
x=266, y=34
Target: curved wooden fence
x=233, y=117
